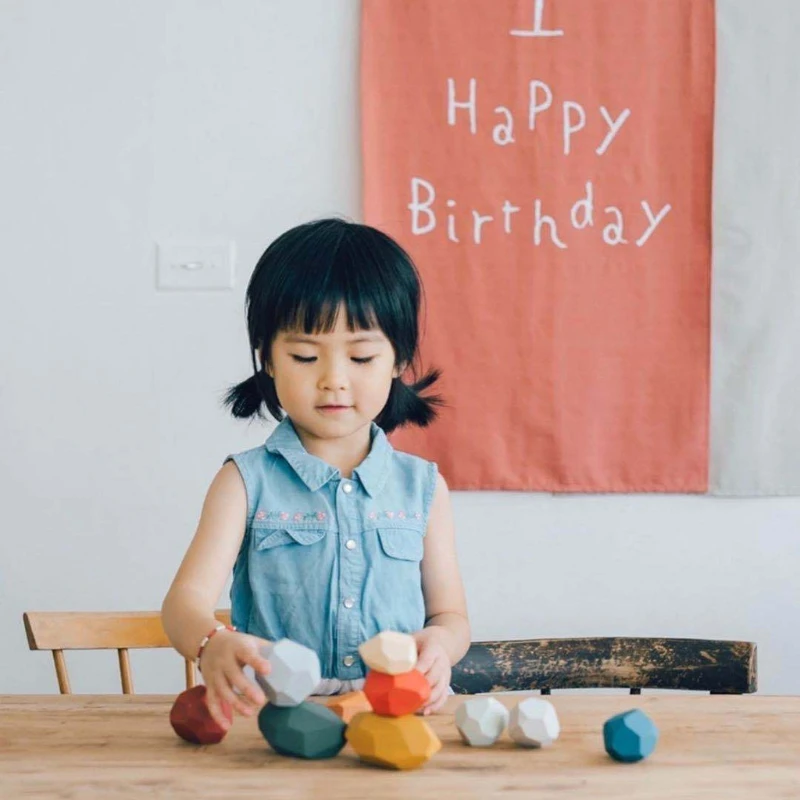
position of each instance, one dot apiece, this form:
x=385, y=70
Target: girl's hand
x=434, y=663
x=222, y=663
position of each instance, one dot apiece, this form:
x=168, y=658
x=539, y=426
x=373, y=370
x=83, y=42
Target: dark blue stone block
x=630, y=737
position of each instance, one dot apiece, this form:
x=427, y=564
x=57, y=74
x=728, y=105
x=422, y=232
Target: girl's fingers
x=435, y=703
x=436, y=675
x=227, y=694
x=424, y=662
x=252, y=657
x=443, y=695
x=431, y=703
x=438, y=696
x=214, y=708
x=438, y=705
x=246, y=689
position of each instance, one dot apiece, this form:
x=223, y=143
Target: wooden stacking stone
x=307, y=730
x=192, y=721
x=630, y=736
x=534, y=723
x=481, y=721
x=346, y=706
x=390, y=652
x=401, y=743
x=391, y=736
x=396, y=695
x=294, y=675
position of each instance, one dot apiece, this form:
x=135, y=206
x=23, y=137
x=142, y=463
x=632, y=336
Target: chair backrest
x=719, y=667
x=99, y=630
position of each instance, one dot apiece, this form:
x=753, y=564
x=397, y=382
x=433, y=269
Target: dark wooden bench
x=719, y=667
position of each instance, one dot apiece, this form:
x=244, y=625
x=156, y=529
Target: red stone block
x=191, y=719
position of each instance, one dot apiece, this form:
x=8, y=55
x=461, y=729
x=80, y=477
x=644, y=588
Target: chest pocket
x=285, y=554
x=397, y=568
x=404, y=544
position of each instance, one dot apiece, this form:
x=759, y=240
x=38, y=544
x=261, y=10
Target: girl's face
x=333, y=384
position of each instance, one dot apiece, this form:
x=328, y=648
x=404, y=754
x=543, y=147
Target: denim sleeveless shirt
x=327, y=561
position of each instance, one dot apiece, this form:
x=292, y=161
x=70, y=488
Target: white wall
x=122, y=124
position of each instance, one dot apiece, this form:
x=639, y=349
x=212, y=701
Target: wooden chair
x=719, y=667
x=97, y=630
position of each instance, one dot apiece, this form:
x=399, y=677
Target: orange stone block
x=392, y=742
x=346, y=706
x=396, y=695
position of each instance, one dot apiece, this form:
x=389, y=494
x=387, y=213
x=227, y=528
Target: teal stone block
x=630, y=737
x=308, y=730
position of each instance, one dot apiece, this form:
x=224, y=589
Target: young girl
x=332, y=535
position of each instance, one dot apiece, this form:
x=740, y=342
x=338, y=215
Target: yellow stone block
x=392, y=742
x=346, y=706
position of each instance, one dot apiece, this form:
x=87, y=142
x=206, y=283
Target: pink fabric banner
x=548, y=166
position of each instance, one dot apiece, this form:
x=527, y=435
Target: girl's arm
x=446, y=636
x=188, y=609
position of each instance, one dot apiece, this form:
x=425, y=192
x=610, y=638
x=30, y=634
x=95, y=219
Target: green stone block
x=308, y=730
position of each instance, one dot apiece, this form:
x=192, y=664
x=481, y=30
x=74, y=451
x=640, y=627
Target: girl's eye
x=312, y=359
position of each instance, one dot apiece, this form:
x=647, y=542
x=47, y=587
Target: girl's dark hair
x=301, y=281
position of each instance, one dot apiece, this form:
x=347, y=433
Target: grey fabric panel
x=755, y=370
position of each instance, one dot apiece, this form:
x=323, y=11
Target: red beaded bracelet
x=206, y=640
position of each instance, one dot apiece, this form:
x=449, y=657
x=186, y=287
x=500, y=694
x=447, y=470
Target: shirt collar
x=315, y=473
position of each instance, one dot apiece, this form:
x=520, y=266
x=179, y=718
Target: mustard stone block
x=392, y=742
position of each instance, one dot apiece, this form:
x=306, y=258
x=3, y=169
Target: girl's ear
x=264, y=365
x=399, y=370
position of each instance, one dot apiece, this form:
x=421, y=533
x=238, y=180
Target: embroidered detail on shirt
x=393, y=514
x=297, y=516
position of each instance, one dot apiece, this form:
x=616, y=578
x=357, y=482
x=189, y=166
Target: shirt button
x=347, y=488
x=348, y=661
x=350, y=544
x=349, y=602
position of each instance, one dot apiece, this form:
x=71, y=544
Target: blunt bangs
x=312, y=272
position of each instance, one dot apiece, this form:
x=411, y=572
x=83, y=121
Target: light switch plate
x=195, y=266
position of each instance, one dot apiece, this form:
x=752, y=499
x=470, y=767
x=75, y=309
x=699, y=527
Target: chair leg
x=61, y=672
x=191, y=677
x=125, y=671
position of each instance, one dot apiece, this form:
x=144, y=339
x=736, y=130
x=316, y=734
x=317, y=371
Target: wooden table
x=122, y=747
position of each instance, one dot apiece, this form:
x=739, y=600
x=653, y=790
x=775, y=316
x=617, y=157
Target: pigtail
x=247, y=399
x=244, y=399
x=408, y=406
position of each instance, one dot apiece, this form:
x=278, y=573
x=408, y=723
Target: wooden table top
x=93, y=746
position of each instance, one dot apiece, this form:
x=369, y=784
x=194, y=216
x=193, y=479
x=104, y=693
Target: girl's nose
x=333, y=378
